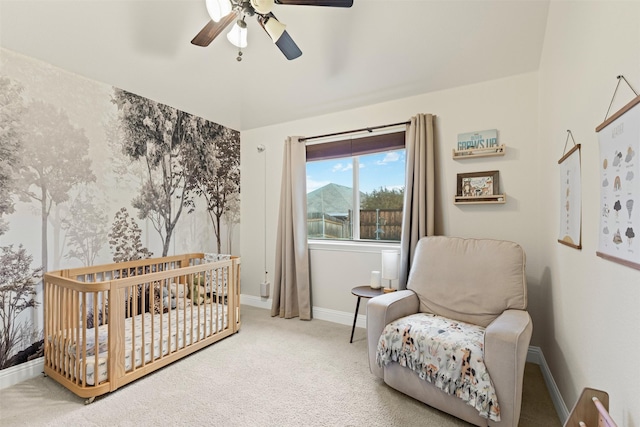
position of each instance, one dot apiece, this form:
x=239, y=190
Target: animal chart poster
x=619, y=140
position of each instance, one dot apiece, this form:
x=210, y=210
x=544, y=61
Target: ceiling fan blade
x=288, y=47
x=212, y=29
x=280, y=36
x=330, y=3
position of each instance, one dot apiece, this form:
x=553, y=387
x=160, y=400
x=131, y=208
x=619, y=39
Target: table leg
x=355, y=316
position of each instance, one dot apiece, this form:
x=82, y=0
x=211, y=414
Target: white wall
x=509, y=105
x=589, y=313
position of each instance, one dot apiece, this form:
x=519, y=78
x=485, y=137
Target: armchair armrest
x=382, y=310
x=506, y=343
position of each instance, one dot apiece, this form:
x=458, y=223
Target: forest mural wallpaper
x=92, y=174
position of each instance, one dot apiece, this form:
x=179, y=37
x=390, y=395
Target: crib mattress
x=154, y=335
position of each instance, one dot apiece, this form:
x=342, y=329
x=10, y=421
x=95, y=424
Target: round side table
x=362, y=292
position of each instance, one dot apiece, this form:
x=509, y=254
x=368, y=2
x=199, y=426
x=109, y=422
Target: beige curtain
x=418, y=217
x=292, y=290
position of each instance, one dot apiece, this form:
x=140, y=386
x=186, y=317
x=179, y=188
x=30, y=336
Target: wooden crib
x=108, y=325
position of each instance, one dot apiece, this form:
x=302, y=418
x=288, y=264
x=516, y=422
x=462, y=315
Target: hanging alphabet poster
x=570, y=233
x=619, y=140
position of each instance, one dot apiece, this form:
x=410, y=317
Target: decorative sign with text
x=481, y=139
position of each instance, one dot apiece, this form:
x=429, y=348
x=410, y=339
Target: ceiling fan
x=225, y=12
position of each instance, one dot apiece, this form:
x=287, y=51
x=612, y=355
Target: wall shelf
x=480, y=200
x=480, y=152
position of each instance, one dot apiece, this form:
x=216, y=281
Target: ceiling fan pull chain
x=239, y=58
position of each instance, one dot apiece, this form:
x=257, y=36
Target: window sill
x=351, y=246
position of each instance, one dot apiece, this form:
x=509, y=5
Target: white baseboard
x=255, y=301
x=535, y=355
x=340, y=317
x=22, y=372
x=319, y=313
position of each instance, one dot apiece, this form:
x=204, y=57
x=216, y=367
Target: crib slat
x=49, y=332
x=51, y=295
x=202, y=280
x=75, y=335
x=142, y=318
x=152, y=310
x=53, y=314
x=169, y=334
x=104, y=309
x=194, y=300
x=134, y=316
x=219, y=294
x=160, y=349
x=96, y=342
x=193, y=278
x=84, y=340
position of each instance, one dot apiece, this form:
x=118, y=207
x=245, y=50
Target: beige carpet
x=274, y=372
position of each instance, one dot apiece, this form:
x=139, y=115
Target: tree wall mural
x=92, y=174
x=218, y=176
x=11, y=112
x=124, y=239
x=55, y=159
x=86, y=228
x=17, y=293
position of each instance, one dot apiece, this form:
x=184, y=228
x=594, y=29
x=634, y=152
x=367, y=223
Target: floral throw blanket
x=447, y=353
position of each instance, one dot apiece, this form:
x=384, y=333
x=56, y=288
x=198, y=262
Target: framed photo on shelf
x=478, y=184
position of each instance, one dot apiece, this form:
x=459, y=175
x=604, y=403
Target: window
x=365, y=176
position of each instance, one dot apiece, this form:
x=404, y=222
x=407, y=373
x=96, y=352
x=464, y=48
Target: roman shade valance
x=356, y=147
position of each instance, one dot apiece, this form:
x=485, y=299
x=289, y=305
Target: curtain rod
x=369, y=129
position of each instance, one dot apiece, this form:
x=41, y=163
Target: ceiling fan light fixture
x=237, y=36
x=262, y=6
x=274, y=28
x=218, y=9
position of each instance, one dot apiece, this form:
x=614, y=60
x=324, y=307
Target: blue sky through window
x=377, y=170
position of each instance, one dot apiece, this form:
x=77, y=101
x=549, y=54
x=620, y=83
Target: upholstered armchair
x=469, y=287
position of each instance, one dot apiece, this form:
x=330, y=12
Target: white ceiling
x=376, y=51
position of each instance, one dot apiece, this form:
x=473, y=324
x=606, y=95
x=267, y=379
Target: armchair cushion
x=471, y=280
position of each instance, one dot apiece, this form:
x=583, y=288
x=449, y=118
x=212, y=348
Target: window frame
x=354, y=148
